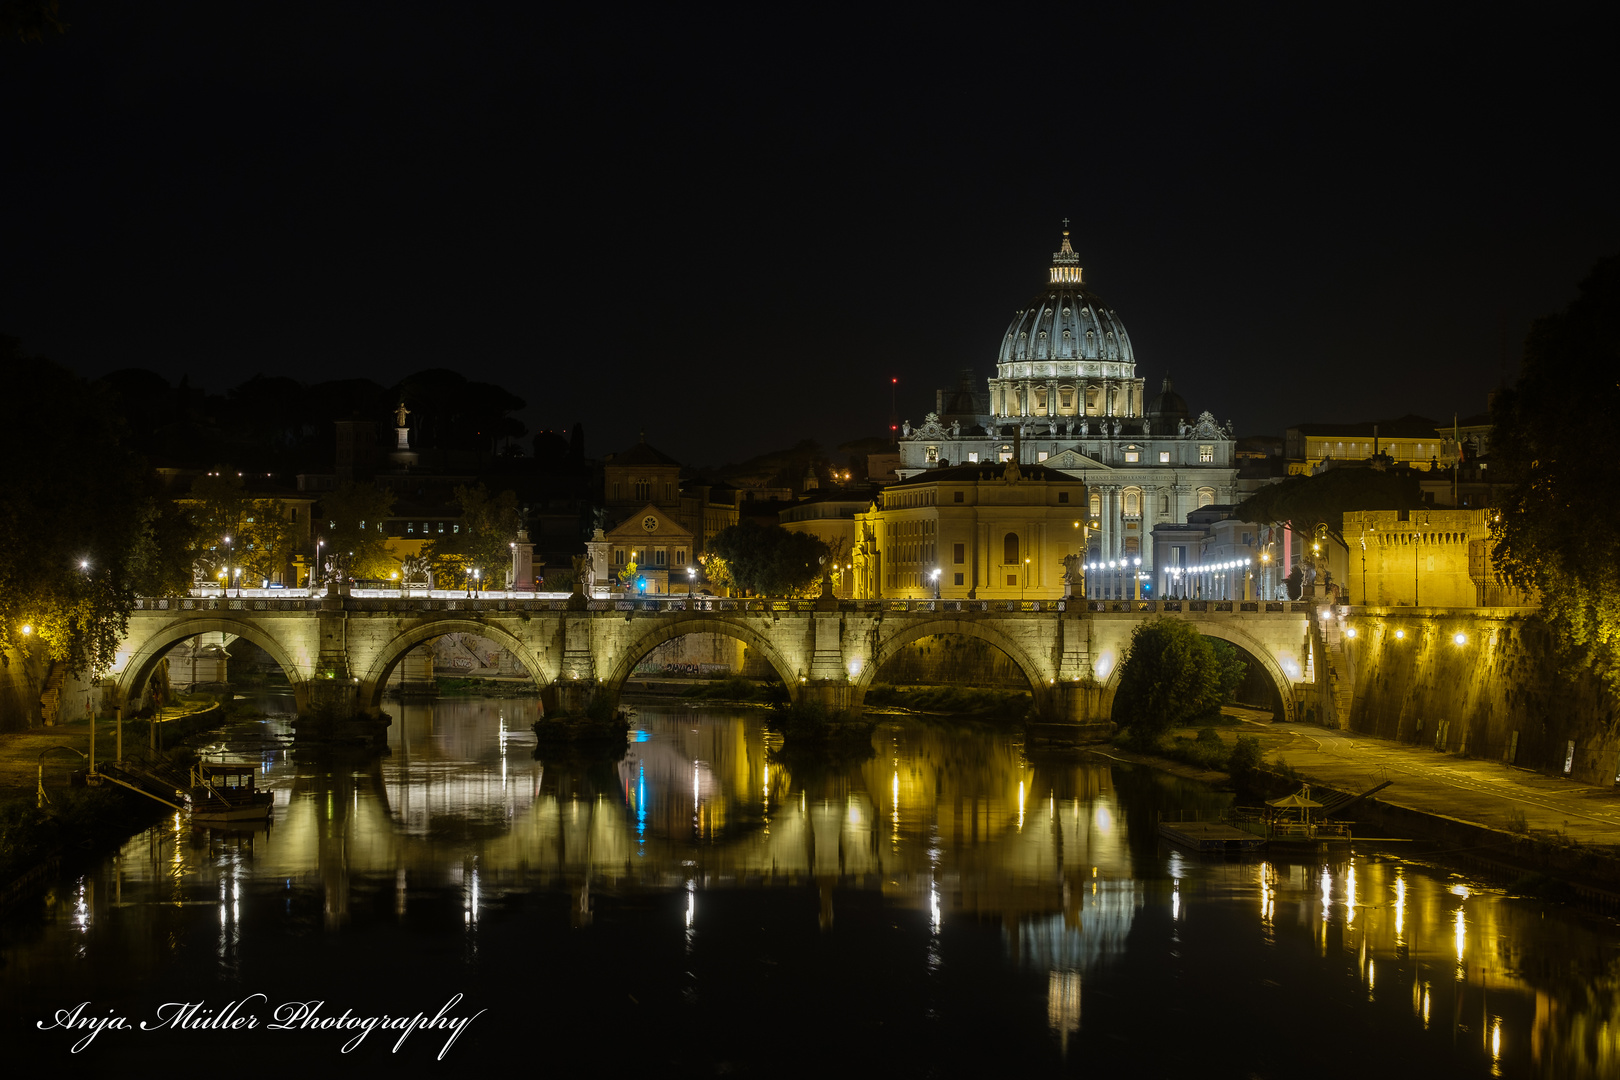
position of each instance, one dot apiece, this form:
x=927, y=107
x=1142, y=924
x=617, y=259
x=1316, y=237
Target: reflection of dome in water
x=1049, y=942
x=1066, y=322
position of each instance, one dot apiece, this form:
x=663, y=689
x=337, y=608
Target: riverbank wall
x=1482, y=683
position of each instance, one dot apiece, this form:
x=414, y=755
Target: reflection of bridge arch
x=145, y=659
x=680, y=627
x=374, y=681
x=1039, y=675
x=1224, y=631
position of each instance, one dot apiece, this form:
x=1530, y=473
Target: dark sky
x=731, y=229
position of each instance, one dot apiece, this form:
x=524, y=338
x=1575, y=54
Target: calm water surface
x=698, y=907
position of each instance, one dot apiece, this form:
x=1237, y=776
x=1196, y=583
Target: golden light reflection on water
x=938, y=829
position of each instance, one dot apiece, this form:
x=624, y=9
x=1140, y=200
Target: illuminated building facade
x=993, y=532
x=1066, y=387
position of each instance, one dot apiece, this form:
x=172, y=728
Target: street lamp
x=691, y=580
x=935, y=576
x=317, y=567
x=236, y=572
x=1024, y=594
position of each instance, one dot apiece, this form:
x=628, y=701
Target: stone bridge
x=338, y=651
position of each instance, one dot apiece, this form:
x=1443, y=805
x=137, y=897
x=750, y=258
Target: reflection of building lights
x=1350, y=896
x=1400, y=907
x=1103, y=819
x=1462, y=934
x=1496, y=1039
x=1327, y=892
x=1020, y=804
x=1063, y=1003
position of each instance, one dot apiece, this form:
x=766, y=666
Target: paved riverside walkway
x=1485, y=793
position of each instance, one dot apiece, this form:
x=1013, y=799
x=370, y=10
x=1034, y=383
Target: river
x=699, y=908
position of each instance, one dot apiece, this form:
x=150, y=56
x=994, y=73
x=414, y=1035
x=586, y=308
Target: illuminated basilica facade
x=1067, y=395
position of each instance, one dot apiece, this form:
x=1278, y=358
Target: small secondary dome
x=1168, y=403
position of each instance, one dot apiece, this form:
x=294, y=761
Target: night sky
x=731, y=228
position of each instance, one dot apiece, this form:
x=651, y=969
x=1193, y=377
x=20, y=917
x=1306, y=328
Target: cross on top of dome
x=1065, y=263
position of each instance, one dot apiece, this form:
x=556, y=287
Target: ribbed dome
x=1065, y=322
x=1167, y=403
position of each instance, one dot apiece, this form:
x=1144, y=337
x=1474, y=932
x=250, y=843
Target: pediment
x=634, y=528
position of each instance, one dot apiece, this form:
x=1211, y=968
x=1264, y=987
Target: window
x=956, y=496
x=1096, y=506
x=1206, y=496
x=959, y=554
x=660, y=556
x=643, y=490
x=932, y=454
x=1063, y=496
x=973, y=458
x=618, y=556
x=1040, y=455
x=959, y=579
x=1164, y=457
x=1206, y=454
x=1133, y=503
x=1012, y=579
x=1164, y=504
x=680, y=558
x=1132, y=457
x=1006, y=453
x=1009, y=548
x=410, y=528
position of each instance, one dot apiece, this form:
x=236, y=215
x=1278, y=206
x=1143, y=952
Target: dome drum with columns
x=1066, y=385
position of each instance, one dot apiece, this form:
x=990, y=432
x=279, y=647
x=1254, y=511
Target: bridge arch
x=375, y=680
x=683, y=624
x=1222, y=630
x=138, y=669
x=1040, y=676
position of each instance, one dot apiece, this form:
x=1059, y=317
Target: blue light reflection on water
x=905, y=875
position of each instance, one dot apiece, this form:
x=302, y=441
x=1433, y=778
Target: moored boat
x=227, y=793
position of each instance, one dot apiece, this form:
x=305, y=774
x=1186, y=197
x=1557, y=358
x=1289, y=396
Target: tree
x=1308, y=503
x=1558, y=529
x=1171, y=677
x=81, y=533
x=770, y=561
x=482, y=540
x=716, y=572
x=352, y=524
x=253, y=535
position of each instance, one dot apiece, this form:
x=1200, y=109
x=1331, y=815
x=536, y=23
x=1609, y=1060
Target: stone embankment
x=1479, y=682
x=1512, y=820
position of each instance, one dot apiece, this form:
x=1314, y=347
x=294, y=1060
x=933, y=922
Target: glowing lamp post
x=935, y=576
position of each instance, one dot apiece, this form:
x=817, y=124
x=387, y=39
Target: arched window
x=1206, y=496
x=1009, y=548
x=1096, y=506
x=1133, y=502
x=1164, y=504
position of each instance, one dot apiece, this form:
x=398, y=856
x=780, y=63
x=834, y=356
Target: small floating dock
x=1215, y=837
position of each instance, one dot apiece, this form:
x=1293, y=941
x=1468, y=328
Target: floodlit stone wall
x=1496, y=694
